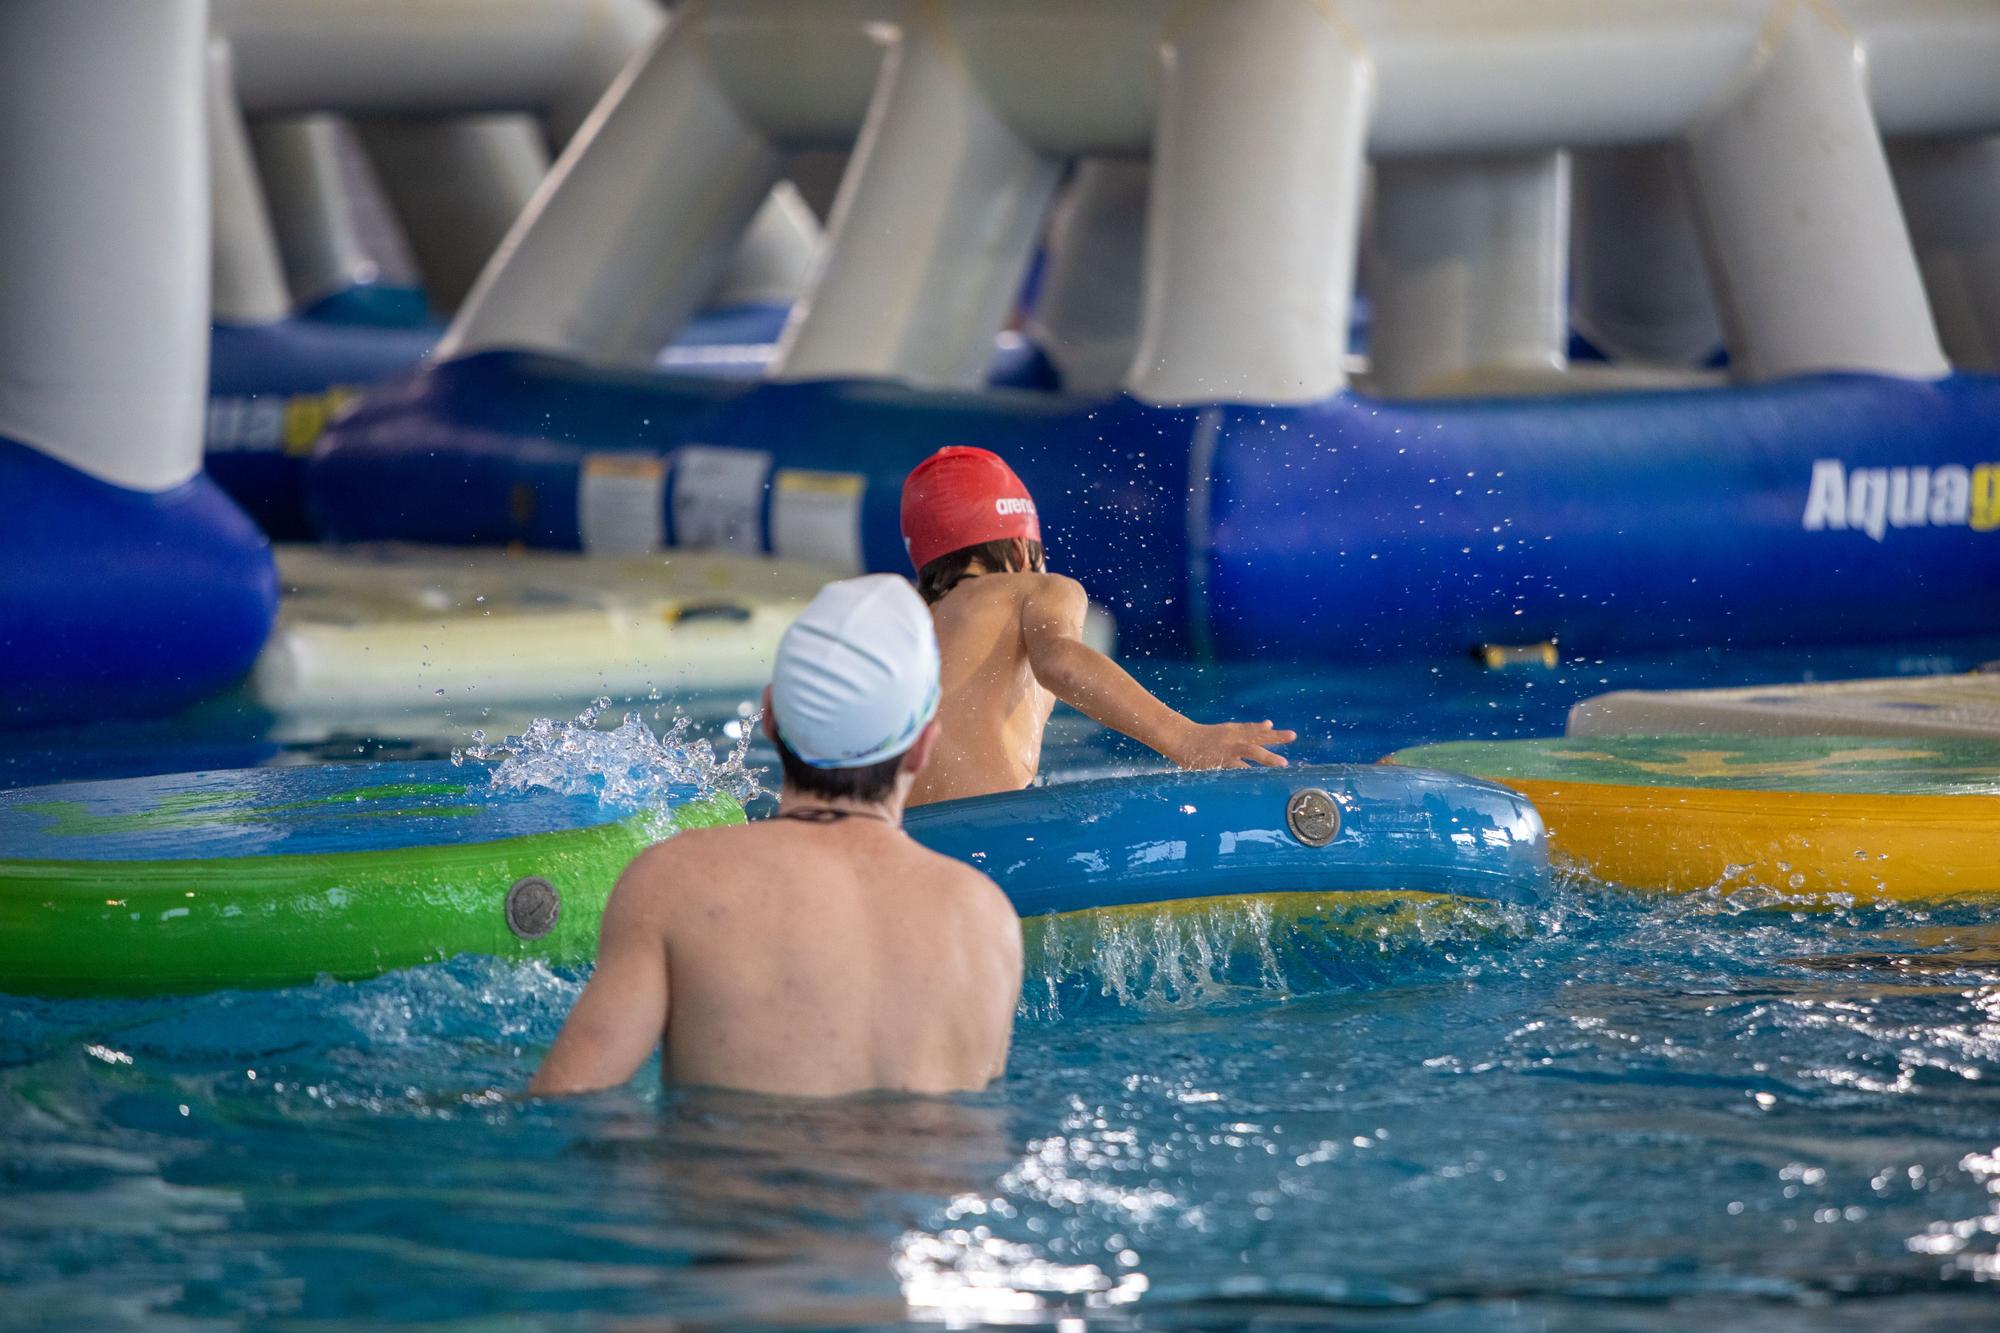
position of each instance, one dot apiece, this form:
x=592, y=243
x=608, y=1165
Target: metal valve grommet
x=1313, y=817
x=533, y=907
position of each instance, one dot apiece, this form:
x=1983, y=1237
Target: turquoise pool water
x=1611, y=1112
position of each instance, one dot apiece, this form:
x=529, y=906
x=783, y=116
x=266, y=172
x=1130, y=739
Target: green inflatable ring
x=273, y=877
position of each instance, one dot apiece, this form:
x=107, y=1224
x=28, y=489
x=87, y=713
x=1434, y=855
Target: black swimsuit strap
x=821, y=814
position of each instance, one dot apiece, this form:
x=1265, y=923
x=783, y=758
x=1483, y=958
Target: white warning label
x=621, y=504
x=816, y=516
x=719, y=497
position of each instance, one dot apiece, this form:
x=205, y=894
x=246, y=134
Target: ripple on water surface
x=1396, y=1112
x=1610, y=1109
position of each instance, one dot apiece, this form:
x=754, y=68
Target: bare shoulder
x=1053, y=585
x=681, y=865
x=973, y=887
x=1052, y=600
x=1020, y=586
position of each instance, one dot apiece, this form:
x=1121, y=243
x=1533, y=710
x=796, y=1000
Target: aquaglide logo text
x=1876, y=499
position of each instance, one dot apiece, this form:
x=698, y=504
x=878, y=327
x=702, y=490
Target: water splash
x=630, y=765
x=1208, y=953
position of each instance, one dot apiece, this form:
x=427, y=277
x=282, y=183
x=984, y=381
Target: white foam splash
x=627, y=766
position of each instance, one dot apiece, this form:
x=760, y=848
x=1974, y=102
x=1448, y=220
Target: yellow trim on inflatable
x=1814, y=844
x=1342, y=912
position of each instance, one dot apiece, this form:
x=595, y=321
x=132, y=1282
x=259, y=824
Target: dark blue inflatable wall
x=120, y=603
x=273, y=388
x=1346, y=529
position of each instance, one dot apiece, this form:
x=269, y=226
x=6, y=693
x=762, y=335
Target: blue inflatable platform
x=1830, y=509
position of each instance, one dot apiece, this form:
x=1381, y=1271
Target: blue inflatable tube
x=273, y=389
x=1114, y=842
x=1832, y=509
x=122, y=603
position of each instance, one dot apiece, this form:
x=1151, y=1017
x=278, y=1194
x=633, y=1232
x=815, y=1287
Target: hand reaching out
x=1230, y=745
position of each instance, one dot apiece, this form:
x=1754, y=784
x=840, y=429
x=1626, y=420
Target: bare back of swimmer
x=823, y=952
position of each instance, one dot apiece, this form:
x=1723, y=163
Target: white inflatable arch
x=326, y=113
x=1754, y=130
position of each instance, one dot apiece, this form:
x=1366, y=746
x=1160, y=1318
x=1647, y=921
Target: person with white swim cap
x=821, y=952
x=856, y=679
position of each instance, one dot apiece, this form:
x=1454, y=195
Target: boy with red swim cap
x=1010, y=636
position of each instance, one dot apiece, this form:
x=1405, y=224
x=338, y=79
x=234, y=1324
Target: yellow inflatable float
x=1866, y=818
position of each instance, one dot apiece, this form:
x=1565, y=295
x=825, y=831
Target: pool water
x=1610, y=1111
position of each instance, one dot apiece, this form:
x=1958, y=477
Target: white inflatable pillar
x=456, y=185
x=932, y=230
x=1086, y=317
x=1812, y=263
x=1639, y=285
x=433, y=57
x=1951, y=194
x=610, y=35
x=1467, y=266
x=247, y=274
x=104, y=221
x=635, y=224
x=1256, y=194
x=774, y=262
x=333, y=224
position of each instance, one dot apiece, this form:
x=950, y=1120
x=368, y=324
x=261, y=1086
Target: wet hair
x=870, y=782
x=943, y=574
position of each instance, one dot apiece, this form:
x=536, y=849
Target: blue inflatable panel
x=494, y=484
x=373, y=305
x=1800, y=512
x=756, y=323
x=272, y=390
x=1684, y=517
x=121, y=603
x=1110, y=842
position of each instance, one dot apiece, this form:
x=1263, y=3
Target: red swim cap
x=960, y=497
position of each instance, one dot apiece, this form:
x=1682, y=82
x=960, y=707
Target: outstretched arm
x=619, y=1017
x=1100, y=689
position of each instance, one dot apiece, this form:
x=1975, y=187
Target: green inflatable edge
x=109, y=928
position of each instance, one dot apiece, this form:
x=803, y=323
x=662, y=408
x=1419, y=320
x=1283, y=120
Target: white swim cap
x=857, y=674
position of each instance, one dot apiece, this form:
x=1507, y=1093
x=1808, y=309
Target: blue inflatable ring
x=1336, y=828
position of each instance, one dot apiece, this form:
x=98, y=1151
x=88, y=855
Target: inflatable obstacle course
x=129, y=584
x=1958, y=705
x=1268, y=530
x=1864, y=818
x=273, y=877
x=1212, y=422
